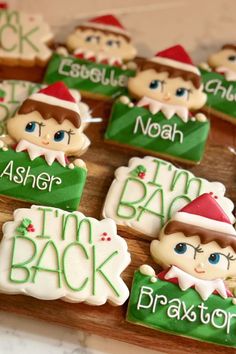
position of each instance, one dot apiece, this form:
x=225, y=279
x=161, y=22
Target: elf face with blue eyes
x=167, y=89
x=47, y=133
x=224, y=61
x=100, y=45
x=201, y=259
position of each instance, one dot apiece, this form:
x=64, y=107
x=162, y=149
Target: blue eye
x=180, y=92
x=92, y=38
x=154, y=84
x=30, y=127
x=180, y=248
x=110, y=43
x=214, y=258
x=232, y=58
x=59, y=136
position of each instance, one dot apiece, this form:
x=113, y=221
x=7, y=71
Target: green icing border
x=122, y=122
x=160, y=321
x=65, y=196
x=219, y=101
x=75, y=81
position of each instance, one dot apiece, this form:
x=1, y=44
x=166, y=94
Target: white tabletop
x=201, y=26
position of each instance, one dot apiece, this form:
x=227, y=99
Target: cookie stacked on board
x=161, y=106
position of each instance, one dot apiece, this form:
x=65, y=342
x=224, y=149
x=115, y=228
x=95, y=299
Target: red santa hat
x=176, y=57
x=205, y=212
x=58, y=95
x=107, y=23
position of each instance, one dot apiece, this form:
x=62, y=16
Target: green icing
x=221, y=94
x=37, y=182
x=136, y=127
x=165, y=307
x=84, y=75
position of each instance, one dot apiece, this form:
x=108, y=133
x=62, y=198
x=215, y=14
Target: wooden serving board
x=219, y=164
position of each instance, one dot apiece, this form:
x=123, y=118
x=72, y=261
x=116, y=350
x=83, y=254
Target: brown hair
x=229, y=46
x=105, y=31
x=48, y=111
x=206, y=236
x=173, y=72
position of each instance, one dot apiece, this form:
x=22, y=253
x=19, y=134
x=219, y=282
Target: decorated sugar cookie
x=145, y=194
x=46, y=130
x=197, y=250
x=24, y=43
x=14, y=92
x=100, y=63
x=51, y=254
x=219, y=77
x=165, y=119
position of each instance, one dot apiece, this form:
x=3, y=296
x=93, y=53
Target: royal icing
x=144, y=195
x=50, y=254
x=14, y=92
x=220, y=83
x=165, y=119
x=24, y=37
x=46, y=129
x=88, y=77
x=190, y=297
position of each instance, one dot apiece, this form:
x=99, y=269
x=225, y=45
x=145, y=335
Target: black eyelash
x=198, y=249
x=70, y=132
x=230, y=257
x=40, y=124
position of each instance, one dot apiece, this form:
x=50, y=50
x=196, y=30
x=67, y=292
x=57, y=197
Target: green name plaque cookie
x=89, y=77
x=138, y=128
x=165, y=307
x=37, y=182
x=221, y=95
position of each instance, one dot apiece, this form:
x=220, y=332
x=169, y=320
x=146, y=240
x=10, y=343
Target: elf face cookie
x=165, y=120
x=14, y=92
x=24, y=42
x=197, y=249
x=45, y=131
x=102, y=39
x=145, y=194
x=100, y=49
x=219, y=77
x=51, y=254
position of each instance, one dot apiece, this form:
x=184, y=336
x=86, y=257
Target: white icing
x=204, y=287
x=176, y=64
x=230, y=75
x=41, y=97
x=169, y=110
x=206, y=223
x=77, y=267
x=22, y=32
x=35, y=151
x=148, y=223
x=106, y=27
x=180, y=311
x=16, y=91
x=99, y=57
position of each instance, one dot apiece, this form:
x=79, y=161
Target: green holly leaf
x=26, y=222
x=22, y=230
x=2, y=93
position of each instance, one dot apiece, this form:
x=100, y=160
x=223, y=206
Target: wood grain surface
x=219, y=164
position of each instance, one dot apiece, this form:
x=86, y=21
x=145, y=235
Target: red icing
x=162, y=275
x=176, y=53
x=3, y=5
x=58, y=90
x=206, y=206
x=107, y=20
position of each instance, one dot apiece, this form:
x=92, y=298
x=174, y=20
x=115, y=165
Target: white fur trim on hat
x=206, y=223
x=41, y=97
x=106, y=28
x=176, y=64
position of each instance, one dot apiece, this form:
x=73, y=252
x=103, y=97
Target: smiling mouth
x=45, y=142
x=199, y=271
